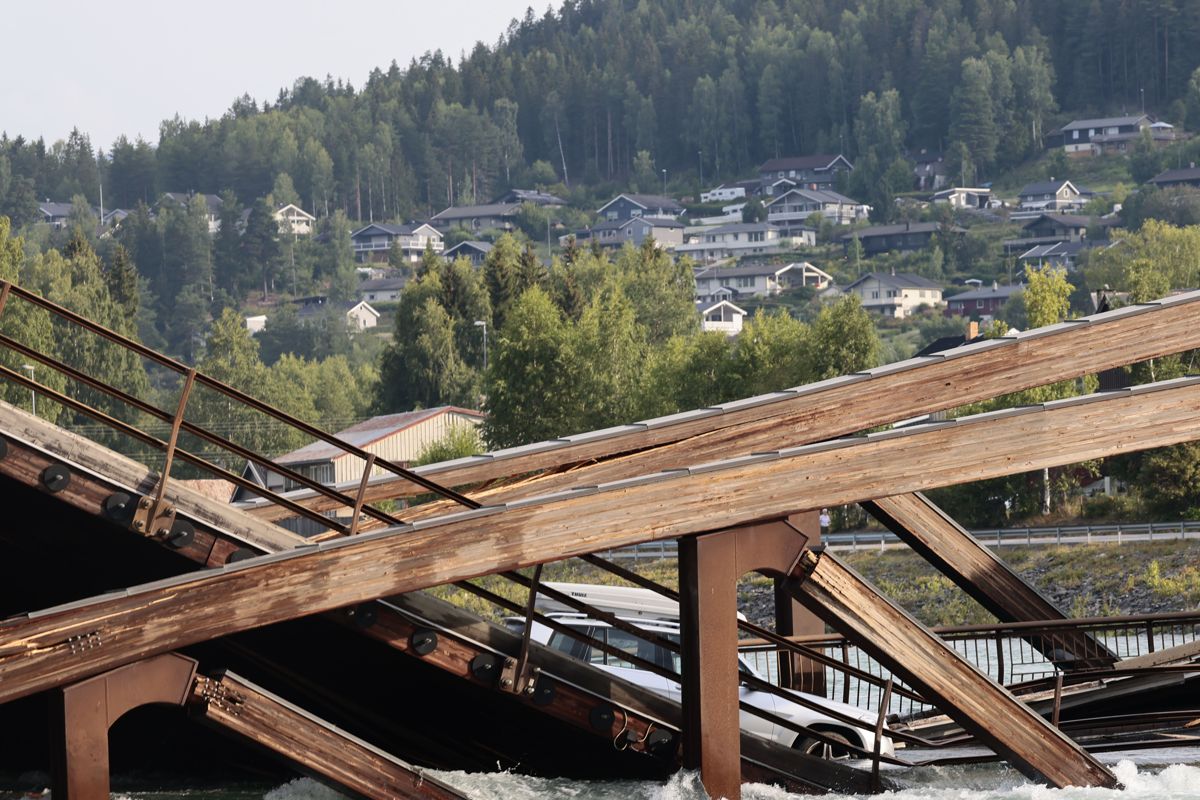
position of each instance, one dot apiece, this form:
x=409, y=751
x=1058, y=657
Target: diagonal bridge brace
x=36, y=652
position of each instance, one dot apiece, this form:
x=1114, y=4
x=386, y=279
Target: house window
x=745, y=283
x=979, y=304
x=637, y=212
x=1075, y=135
x=874, y=295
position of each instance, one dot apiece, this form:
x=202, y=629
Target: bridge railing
x=133, y=412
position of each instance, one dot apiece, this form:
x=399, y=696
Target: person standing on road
x=823, y=520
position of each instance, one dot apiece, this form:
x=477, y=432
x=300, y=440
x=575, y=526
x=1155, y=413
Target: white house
x=294, y=220
x=381, y=290
x=667, y=233
x=798, y=205
x=733, y=241
x=720, y=315
x=256, y=323
x=964, y=197
x=373, y=242
x=895, y=295
x=1052, y=195
x=359, y=315
x=723, y=194
x=751, y=280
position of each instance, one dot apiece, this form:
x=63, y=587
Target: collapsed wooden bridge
x=735, y=484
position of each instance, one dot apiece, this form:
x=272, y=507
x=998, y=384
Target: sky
x=112, y=69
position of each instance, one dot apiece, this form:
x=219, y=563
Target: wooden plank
x=978, y=572
x=829, y=409
x=915, y=654
x=36, y=652
x=234, y=705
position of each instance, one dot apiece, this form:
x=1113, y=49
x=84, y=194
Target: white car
x=862, y=736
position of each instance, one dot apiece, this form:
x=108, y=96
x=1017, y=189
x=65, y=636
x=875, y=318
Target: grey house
x=627, y=206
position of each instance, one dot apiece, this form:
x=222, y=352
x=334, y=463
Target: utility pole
x=479, y=323
x=700, y=156
x=664, y=172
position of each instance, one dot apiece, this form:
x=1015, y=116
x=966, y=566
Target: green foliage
x=1150, y=262
x=458, y=442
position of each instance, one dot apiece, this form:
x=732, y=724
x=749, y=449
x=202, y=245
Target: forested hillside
x=712, y=86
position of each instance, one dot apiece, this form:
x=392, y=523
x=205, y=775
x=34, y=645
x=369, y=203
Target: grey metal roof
x=891, y=230
x=1103, y=122
x=821, y=161
x=482, y=247
x=742, y=227
x=1066, y=220
x=988, y=293
x=1177, y=176
x=468, y=212
x=367, y=432
x=382, y=284
x=745, y=271
x=817, y=195
x=901, y=280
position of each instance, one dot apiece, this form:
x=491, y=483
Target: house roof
x=279, y=209
x=1177, y=176
x=1066, y=220
x=903, y=227
x=645, y=201
x=745, y=271
x=656, y=222
x=393, y=230
x=1057, y=249
x=990, y=293
x=54, y=209
x=480, y=247
x=900, y=280
x=743, y=227
x=1046, y=187
x=817, y=163
x=368, y=432
x=382, y=285
x=818, y=196
x=1104, y=122
x=705, y=306
x=469, y=212
x=530, y=196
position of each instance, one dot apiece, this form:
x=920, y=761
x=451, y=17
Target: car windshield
x=626, y=643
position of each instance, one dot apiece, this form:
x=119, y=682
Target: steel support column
x=81, y=715
x=709, y=568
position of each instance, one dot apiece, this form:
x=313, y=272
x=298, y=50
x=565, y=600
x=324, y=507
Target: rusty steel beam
x=981, y=574
x=174, y=613
x=824, y=410
x=235, y=705
x=906, y=647
x=81, y=715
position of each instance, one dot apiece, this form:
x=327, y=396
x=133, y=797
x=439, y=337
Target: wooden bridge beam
x=36, y=652
x=981, y=574
x=237, y=707
x=81, y=715
x=821, y=411
x=916, y=655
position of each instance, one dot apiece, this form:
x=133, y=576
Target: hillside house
x=981, y=302
x=901, y=237
x=537, y=198
x=733, y=241
x=398, y=438
x=373, y=242
x=628, y=206
x=964, y=197
x=1086, y=137
x=808, y=172
x=474, y=251
x=1053, y=195
x=381, y=290
x=54, y=214
x=212, y=205
x=720, y=315
x=294, y=220
x=358, y=314
x=1177, y=177
x=797, y=205
x=929, y=169
x=493, y=216
x=897, y=295
x=750, y=280
x=666, y=232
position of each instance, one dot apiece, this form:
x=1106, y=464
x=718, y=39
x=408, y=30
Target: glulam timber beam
x=976, y=570
x=918, y=656
x=39, y=651
x=238, y=707
x=819, y=411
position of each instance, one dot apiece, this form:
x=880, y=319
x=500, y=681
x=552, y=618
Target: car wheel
x=839, y=749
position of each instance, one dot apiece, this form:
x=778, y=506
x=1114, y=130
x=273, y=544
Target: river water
x=1166, y=774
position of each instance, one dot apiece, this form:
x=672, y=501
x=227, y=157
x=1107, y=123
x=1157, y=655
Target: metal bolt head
x=144, y=502
x=138, y=525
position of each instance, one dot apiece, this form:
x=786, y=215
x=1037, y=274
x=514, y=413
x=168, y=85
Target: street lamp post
x=32, y=394
x=700, y=156
x=479, y=323
x=664, y=172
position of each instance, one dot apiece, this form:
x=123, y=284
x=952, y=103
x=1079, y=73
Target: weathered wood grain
x=36, y=652
x=982, y=575
x=824, y=410
x=911, y=651
x=234, y=705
